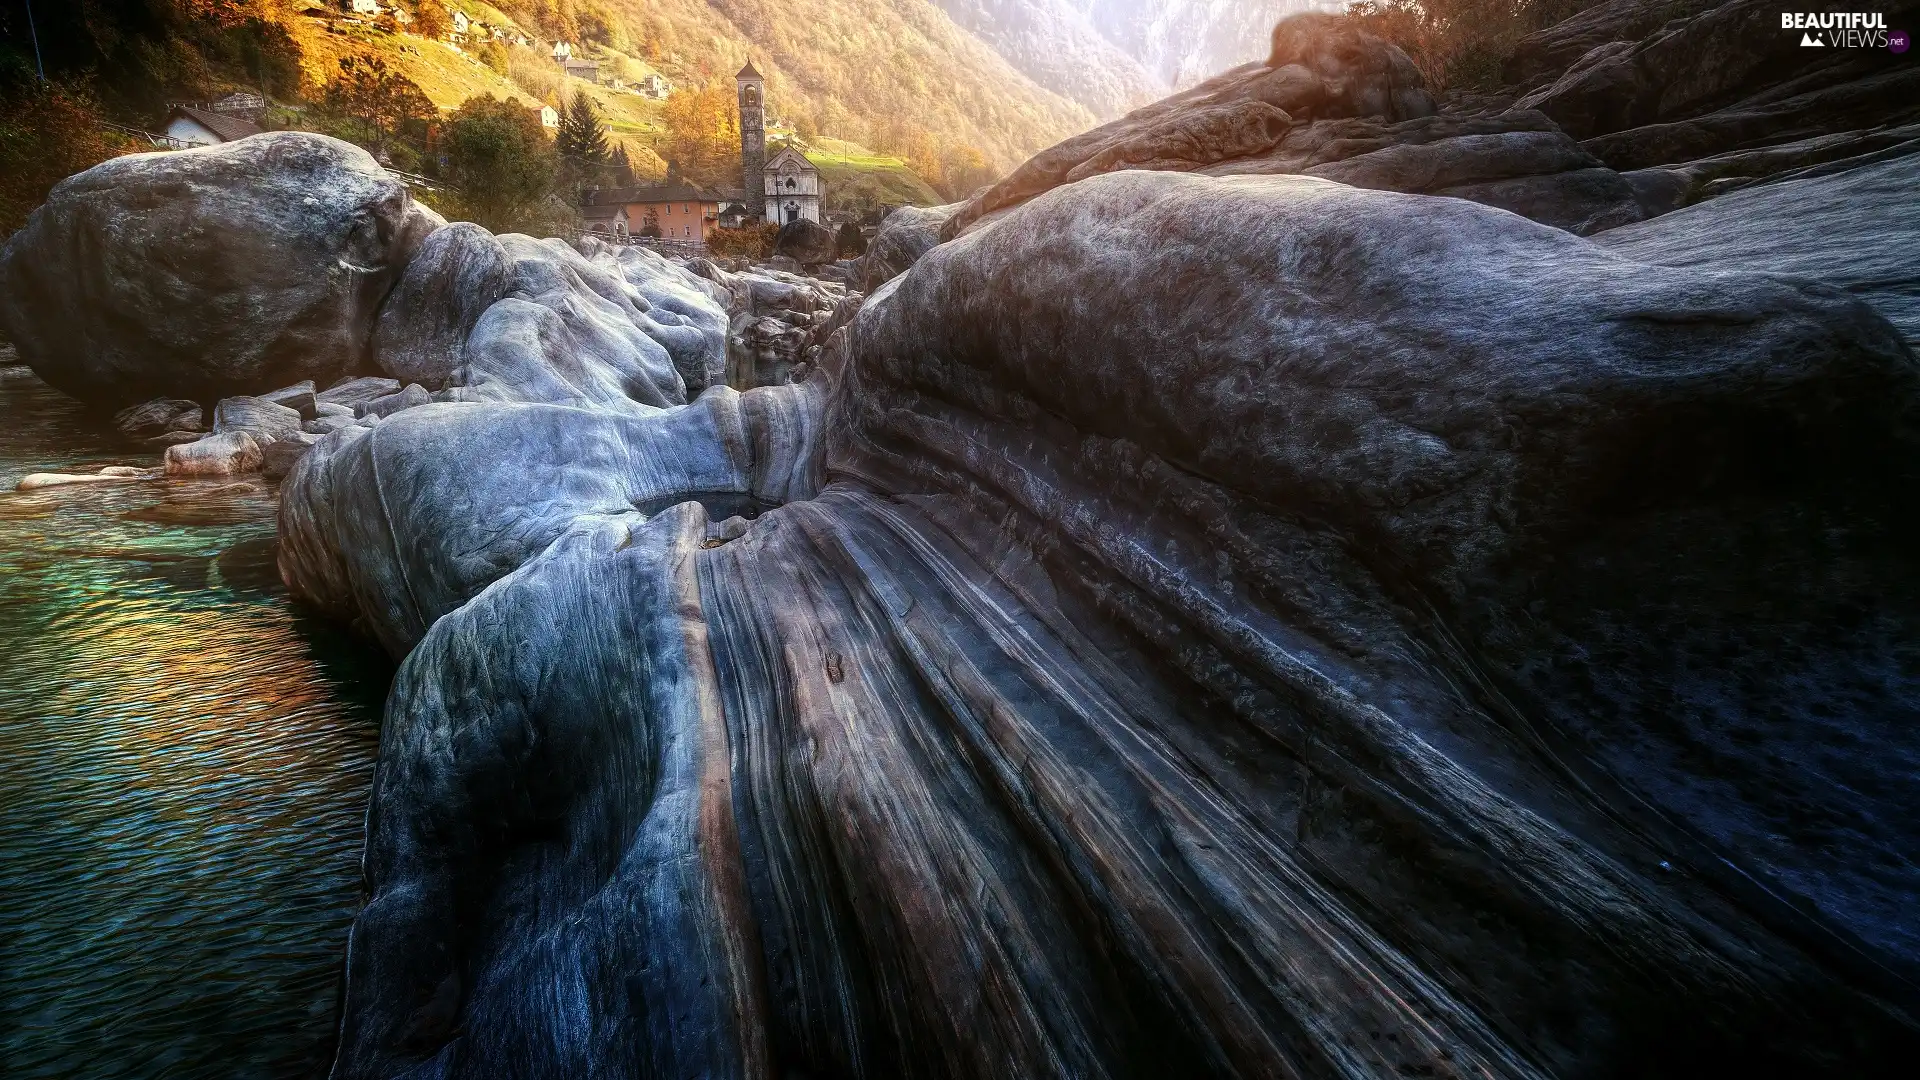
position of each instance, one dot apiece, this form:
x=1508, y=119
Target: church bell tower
x=753, y=137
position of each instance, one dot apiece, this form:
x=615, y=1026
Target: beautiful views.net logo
x=1840, y=29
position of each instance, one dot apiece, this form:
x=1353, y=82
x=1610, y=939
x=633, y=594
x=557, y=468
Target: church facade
x=792, y=187
x=788, y=187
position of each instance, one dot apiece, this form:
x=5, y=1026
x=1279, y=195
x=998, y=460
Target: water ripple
x=184, y=761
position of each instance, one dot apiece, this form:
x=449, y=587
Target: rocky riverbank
x=1191, y=622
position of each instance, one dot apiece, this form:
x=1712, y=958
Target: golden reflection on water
x=184, y=762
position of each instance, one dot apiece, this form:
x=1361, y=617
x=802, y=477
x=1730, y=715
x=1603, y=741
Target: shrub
x=748, y=242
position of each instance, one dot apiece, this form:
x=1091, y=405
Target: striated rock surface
x=151, y=419
x=903, y=237
x=224, y=454
x=232, y=269
x=1439, y=645
x=1849, y=227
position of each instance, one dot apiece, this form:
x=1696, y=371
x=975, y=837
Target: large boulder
x=1321, y=67
x=808, y=243
x=1714, y=78
x=231, y=269
x=1290, y=629
x=904, y=236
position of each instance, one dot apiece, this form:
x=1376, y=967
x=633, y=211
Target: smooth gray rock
x=208, y=272
x=223, y=454
x=299, y=397
x=1850, y=229
x=278, y=459
x=354, y=393
x=1463, y=159
x=1581, y=201
x=327, y=423
x=151, y=419
x=1185, y=623
x=258, y=417
x=413, y=396
x=458, y=273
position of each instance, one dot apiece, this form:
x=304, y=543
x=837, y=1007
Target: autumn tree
x=430, y=18
x=499, y=157
x=48, y=131
x=380, y=100
x=703, y=134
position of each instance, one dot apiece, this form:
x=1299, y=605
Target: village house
x=792, y=187
x=461, y=24
x=655, y=86
x=608, y=219
x=582, y=69
x=206, y=127
x=363, y=7
x=675, y=210
x=549, y=117
x=561, y=51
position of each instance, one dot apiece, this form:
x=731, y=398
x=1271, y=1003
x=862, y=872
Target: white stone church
x=789, y=184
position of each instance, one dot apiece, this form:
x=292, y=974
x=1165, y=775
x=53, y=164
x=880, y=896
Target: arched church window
x=789, y=183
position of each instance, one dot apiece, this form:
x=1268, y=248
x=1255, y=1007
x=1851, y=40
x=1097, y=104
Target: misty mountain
x=1113, y=55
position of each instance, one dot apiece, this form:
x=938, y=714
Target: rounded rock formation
x=231, y=269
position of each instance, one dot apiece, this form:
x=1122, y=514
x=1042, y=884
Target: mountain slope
x=1054, y=44
x=872, y=71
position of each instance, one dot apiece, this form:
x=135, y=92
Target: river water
x=184, y=764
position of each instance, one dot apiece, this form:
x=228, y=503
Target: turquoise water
x=184, y=762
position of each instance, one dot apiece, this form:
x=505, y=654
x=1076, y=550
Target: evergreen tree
x=582, y=139
x=623, y=175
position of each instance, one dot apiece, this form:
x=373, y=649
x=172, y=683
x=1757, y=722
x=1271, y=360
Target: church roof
x=806, y=164
x=748, y=72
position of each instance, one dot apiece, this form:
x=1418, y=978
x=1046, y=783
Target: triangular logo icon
x=1809, y=41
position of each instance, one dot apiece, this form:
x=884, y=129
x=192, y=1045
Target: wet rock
x=258, y=417
x=299, y=397
x=413, y=396
x=353, y=394
x=278, y=459
x=808, y=243
x=1433, y=628
x=112, y=474
x=209, y=272
x=150, y=419
x=223, y=454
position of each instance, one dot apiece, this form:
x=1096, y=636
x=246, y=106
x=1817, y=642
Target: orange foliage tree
x=703, y=134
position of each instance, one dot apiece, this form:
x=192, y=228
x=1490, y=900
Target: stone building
x=753, y=128
x=791, y=184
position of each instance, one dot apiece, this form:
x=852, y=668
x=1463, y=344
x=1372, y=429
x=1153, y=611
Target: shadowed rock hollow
x=1186, y=626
